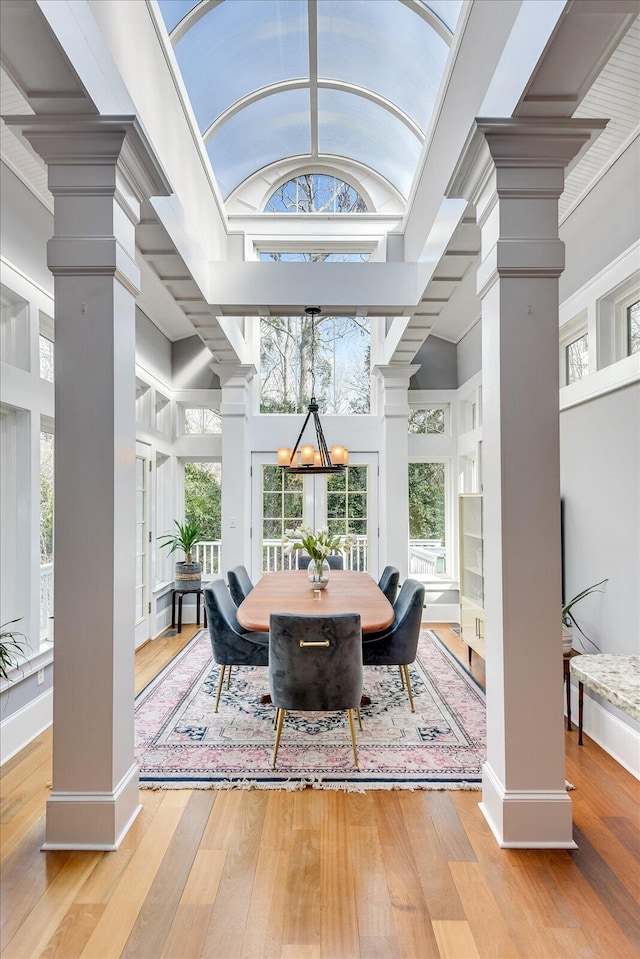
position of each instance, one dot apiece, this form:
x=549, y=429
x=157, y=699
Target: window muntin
x=577, y=359
x=342, y=358
x=202, y=420
x=428, y=507
x=173, y=11
x=270, y=129
x=315, y=193
x=446, y=10
x=354, y=46
x=427, y=420
x=633, y=328
x=348, y=511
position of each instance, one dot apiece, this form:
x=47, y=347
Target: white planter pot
x=567, y=639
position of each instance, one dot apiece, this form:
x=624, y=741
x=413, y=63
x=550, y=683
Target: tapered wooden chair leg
x=401, y=675
x=229, y=677
x=220, y=682
x=406, y=675
x=359, y=718
x=353, y=738
x=281, y=714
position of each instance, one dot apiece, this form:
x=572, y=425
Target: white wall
x=25, y=227
x=600, y=482
x=604, y=225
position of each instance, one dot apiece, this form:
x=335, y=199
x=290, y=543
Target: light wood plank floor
x=312, y=874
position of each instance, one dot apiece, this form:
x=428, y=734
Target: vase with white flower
x=318, y=545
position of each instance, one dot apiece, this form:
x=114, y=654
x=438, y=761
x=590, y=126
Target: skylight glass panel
x=384, y=47
x=238, y=48
x=173, y=11
x=270, y=129
x=447, y=10
x=352, y=126
x=312, y=257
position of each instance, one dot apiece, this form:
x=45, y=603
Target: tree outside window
x=315, y=193
x=341, y=349
x=203, y=498
x=427, y=421
x=577, y=359
x=202, y=421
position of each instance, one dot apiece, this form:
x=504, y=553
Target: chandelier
x=313, y=460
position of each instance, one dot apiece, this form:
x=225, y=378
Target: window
x=141, y=536
x=315, y=193
x=430, y=420
x=46, y=358
x=577, y=359
x=202, y=421
x=46, y=532
x=203, y=506
x=315, y=257
x=427, y=519
x=341, y=348
x=633, y=328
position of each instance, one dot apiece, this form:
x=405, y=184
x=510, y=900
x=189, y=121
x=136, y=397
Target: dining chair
x=315, y=664
x=239, y=584
x=398, y=645
x=231, y=644
x=335, y=561
x=389, y=583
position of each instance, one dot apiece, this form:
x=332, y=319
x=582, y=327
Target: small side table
x=566, y=676
x=180, y=593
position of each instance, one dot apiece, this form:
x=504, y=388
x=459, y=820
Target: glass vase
x=318, y=573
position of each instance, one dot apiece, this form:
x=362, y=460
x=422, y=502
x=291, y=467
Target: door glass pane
x=282, y=509
x=347, y=512
x=577, y=359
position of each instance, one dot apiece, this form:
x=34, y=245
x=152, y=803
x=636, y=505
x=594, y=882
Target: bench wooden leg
x=580, y=711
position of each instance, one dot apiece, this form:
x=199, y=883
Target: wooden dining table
x=289, y=591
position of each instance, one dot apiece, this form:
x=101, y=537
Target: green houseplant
x=188, y=573
x=569, y=620
x=11, y=648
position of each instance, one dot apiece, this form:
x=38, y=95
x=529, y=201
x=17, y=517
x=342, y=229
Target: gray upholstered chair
x=239, y=584
x=315, y=663
x=231, y=644
x=335, y=561
x=397, y=646
x=389, y=583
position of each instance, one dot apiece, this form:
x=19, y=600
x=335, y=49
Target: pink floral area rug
x=181, y=743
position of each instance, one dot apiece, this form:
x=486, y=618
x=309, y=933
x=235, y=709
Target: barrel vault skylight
x=318, y=80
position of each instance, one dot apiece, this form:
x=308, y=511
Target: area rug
x=182, y=743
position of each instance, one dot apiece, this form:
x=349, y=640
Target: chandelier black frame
x=322, y=458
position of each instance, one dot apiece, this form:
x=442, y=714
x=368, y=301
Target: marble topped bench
x=615, y=678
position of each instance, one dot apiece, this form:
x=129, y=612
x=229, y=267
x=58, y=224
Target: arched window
x=315, y=193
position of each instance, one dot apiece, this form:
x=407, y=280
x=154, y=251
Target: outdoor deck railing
x=46, y=599
x=209, y=553
x=274, y=557
x=426, y=557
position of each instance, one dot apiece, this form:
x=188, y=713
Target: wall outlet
x=40, y=677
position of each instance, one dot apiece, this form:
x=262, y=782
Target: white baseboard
x=611, y=733
x=441, y=613
x=21, y=727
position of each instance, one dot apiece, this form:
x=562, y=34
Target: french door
x=344, y=502
x=142, y=545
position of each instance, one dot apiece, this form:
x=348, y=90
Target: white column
x=235, y=381
x=394, y=475
x=514, y=172
x=99, y=171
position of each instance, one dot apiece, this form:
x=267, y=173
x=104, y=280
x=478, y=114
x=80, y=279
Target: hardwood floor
x=313, y=874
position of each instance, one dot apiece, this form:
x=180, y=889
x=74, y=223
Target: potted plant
x=11, y=648
x=188, y=572
x=569, y=620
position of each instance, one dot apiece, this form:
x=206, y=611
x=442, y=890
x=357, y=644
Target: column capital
x=395, y=379
x=97, y=143
x=517, y=145
x=233, y=374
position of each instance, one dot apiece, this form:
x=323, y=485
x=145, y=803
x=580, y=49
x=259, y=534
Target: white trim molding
x=22, y=727
x=104, y=818
x=613, y=734
x=519, y=812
